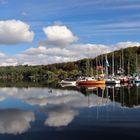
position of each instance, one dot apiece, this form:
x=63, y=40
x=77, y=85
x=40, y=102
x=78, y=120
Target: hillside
x=125, y=58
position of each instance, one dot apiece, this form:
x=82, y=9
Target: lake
x=69, y=113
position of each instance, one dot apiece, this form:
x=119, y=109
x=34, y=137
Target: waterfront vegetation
x=87, y=66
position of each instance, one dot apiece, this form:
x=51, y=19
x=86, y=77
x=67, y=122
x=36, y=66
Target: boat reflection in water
x=127, y=95
x=70, y=112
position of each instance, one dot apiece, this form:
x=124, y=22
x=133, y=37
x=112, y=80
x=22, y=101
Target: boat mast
x=122, y=62
x=106, y=65
x=113, y=64
x=96, y=66
x=136, y=64
x=87, y=67
x=102, y=64
x=128, y=73
x=91, y=68
x=102, y=60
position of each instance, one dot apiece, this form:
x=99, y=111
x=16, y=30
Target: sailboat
x=92, y=81
x=111, y=80
x=137, y=78
x=122, y=77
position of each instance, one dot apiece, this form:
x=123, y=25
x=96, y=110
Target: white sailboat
x=111, y=79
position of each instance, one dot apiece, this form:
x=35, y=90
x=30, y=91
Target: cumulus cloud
x=14, y=32
x=36, y=51
x=44, y=55
x=59, y=35
x=13, y=121
x=90, y=50
x=58, y=47
x=9, y=62
x=126, y=44
x=6, y=60
x=55, y=51
x=47, y=55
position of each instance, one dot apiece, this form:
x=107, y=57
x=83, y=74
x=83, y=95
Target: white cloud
x=9, y=62
x=44, y=55
x=126, y=44
x=36, y=51
x=6, y=60
x=90, y=50
x=55, y=51
x=58, y=47
x=2, y=55
x=59, y=35
x=14, y=32
x=13, y=121
x=49, y=55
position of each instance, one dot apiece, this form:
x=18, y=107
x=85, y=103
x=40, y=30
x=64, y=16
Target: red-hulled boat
x=90, y=81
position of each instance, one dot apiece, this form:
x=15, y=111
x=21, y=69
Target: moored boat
x=90, y=81
x=95, y=86
x=137, y=79
x=112, y=81
x=124, y=79
x=68, y=82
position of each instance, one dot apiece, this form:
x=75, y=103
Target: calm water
x=69, y=113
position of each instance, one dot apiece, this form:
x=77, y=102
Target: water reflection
x=126, y=95
x=2, y=98
x=36, y=101
x=14, y=121
x=60, y=107
x=60, y=115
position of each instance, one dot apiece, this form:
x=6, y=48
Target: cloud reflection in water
x=59, y=116
x=60, y=106
x=14, y=121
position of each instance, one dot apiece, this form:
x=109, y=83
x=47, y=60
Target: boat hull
x=68, y=82
x=95, y=86
x=112, y=82
x=102, y=82
x=124, y=81
x=137, y=81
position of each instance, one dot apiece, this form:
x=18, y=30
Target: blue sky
x=104, y=22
